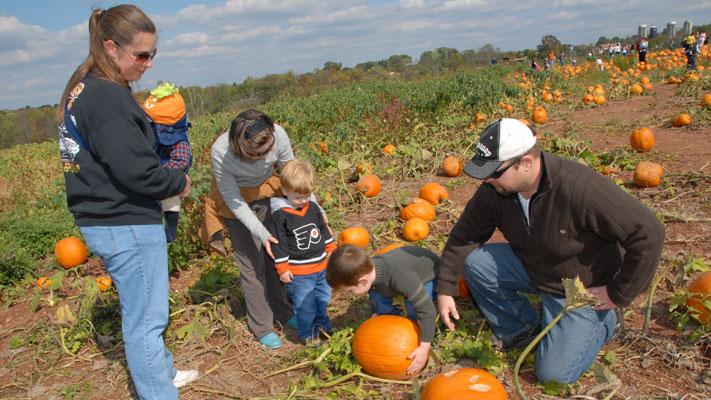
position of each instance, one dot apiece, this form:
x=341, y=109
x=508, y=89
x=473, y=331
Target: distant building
x=652, y=32
x=642, y=31
x=688, y=27
x=671, y=28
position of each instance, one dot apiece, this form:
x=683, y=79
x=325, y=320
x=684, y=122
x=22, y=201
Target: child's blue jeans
x=384, y=305
x=310, y=295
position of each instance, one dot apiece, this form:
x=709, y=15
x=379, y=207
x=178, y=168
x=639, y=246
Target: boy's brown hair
x=346, y=265
x=298, y=176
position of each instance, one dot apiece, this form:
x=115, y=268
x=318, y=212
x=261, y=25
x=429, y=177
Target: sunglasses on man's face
x=141, y=56
x=497, y=174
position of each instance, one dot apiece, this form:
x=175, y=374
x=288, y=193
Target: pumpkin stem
x=362, y=375
x=302, y=364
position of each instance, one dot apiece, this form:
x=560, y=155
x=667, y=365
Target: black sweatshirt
x=120, y=180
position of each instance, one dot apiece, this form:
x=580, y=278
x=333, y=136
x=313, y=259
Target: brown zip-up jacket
x=581, y=224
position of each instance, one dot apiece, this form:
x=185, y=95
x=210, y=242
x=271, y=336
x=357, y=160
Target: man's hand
x=268, y=245
x=286, y=276
x=186, y=189
x=600, y=293
x=447, y=306
x=418, y=357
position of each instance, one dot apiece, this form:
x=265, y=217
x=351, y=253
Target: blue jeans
x=136, y=257
x=310, y=295
x=497, y=280
x=384, y=305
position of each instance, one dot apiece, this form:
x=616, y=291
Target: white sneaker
x=184, y=377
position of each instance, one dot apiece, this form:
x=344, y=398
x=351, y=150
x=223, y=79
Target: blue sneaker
x=271, y=341
x=293, y=323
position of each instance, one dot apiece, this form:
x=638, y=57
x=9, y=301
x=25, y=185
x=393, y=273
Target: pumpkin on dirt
x=647, y=174
x=464, y=384
x=357, y=236
x=636, y=89
x=382, y=344
x=700, y=293
x=433, y=192
x=539, y=115
x=70, y=252
x=588, y=98
x=452, y=166
x=44, y=282
x=415, y=229
x=388, y=248
x=369, y=185
x=599, y=100
x=681, y=120
x=419, y=208
x=103, y=282
x=389, y=149
x=642, y=139
x=706, y=101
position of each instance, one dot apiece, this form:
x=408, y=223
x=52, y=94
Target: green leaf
x=35, y=300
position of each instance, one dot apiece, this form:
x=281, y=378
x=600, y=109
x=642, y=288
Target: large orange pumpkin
x=388, y=248
x=452, y=166
x=642, y=139
x=647, y=174
x=381, y=345
x=419, y=208
x=70, y=252
x=700, y=291
x=369, y=185
x=539, y=115
x=464, y=384
x=681, y=120
x=357, y=236
x=415, y=229
x=706, y=101
x=433, y=192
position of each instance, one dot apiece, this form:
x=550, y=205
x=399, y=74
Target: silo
x=688, y=26
x=652, y=32
x=671, y=28
x=642, y=31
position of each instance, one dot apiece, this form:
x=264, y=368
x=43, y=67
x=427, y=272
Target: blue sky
x=224, y=41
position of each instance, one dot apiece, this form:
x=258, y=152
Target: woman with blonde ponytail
x=114, y=184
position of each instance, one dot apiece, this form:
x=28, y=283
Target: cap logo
x=483, y=149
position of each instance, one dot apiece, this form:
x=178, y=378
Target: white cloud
x=562, y=15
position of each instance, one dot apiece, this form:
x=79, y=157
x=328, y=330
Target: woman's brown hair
x=250, y=130
x=120, y=24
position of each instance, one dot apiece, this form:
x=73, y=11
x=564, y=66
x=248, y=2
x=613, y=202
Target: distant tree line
x=33, y=125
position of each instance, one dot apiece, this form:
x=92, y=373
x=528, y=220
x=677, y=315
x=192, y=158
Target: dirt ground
x=663, y=364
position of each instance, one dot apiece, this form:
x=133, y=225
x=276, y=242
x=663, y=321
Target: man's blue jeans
x=497, y=280
x=384, y=305
x=136, y=257
x=310, y=295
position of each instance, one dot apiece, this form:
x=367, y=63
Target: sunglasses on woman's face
x=141, y=56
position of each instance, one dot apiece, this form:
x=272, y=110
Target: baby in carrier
x=166, y=108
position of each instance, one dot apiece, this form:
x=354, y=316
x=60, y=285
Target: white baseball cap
x=504, y=139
